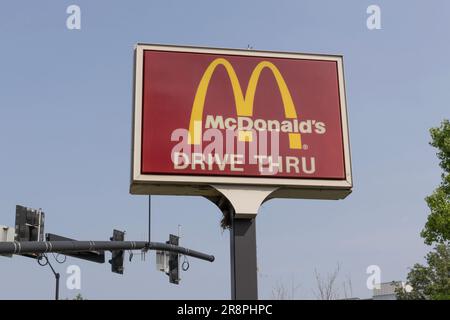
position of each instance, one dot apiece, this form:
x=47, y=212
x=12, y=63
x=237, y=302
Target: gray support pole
x=241, y=204
x=244, y=279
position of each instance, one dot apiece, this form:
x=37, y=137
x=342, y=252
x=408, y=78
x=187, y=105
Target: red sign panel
x=227, y=113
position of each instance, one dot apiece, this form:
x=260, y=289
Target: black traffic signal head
x=117, y=255
x=29, y=224
x=174, y=268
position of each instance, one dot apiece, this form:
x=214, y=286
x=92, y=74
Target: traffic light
x=117, y=255
x=29, y=226
x=174, y=269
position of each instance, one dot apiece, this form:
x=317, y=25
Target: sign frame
x=170, y=184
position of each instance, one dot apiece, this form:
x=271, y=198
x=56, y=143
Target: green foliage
x=433, y=281
x=437, y=228
x=441, y=140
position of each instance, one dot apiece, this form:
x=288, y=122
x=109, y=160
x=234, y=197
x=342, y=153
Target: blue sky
x=65, y=124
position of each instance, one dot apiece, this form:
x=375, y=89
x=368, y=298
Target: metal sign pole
x=244, y=278
x=241, y=206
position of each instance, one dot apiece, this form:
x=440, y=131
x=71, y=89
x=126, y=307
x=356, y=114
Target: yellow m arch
x=244, y=104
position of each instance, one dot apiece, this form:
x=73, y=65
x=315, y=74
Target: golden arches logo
x=244, y=104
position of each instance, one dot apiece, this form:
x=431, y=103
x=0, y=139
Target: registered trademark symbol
x=305, y=147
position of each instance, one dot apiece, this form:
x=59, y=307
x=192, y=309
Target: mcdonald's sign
x=207, y=116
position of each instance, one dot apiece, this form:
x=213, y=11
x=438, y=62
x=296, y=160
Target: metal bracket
x=245, y=201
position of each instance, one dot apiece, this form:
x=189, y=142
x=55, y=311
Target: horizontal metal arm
x=28, y=247
x=185, y=251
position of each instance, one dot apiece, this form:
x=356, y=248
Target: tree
x=437, y=228
x=282, y=292
x=433, y=281
x=328, y=288
x=79, y=297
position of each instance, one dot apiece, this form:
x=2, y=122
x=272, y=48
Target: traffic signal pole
x=37, y=247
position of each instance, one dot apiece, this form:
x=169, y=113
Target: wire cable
x=56, y=257
x=185, y=264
